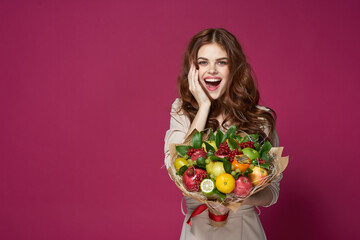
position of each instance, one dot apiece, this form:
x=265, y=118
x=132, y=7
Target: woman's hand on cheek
x=196, y=89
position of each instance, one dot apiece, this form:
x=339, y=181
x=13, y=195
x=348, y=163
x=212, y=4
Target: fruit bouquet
x=224, y=168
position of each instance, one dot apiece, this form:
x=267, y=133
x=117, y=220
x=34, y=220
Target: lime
x=207, y=186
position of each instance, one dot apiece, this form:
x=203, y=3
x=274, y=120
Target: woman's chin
x=214, y=96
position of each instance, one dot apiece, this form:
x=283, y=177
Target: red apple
x=243, y=186
x=192, y=178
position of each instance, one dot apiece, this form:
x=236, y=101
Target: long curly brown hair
x=240, y=100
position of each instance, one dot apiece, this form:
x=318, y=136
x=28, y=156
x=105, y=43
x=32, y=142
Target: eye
x=203, y=63
x=222, y=62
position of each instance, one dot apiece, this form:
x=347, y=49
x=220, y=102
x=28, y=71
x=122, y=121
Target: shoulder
x=176, y=105
x=178, y=113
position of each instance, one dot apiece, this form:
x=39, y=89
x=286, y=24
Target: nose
x=212, y=69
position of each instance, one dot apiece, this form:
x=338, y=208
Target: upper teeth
x=213, y=80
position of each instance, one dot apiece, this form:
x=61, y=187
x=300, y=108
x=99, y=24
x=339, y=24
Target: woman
x=217, y=91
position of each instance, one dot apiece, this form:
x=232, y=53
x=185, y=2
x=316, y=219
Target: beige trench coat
x=242, y=225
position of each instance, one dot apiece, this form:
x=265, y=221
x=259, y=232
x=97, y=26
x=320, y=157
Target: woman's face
x=214, y=69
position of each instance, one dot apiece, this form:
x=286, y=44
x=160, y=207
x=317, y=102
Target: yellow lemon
x=179, y=162
x=225, y=183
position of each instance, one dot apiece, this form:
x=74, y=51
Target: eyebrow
x=223, y=58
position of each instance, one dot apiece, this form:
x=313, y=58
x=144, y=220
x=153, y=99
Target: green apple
x=212, y=143
x=251, y=153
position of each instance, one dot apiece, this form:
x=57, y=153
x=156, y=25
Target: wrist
x=205, y=106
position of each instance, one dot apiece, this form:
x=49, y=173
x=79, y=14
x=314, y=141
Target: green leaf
x=214, y=158
x=245, y=139
x=182, y=170
x=197, y=140
x=265, y=149
x=211, y=135
x=254, y=137
x=232, y=144
x=231, y=131
x=266, y=157
x=265, y=165
x=257, y=146
x=247, y=172
x=218, y=138
x=237, y=175
x=201, y=162
x=220, y=194
x=224, y=137
x=182, y=150
x=209, y=147
x=238, y=138
x=227, y=167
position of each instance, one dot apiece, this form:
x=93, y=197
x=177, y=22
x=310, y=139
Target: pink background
x=85, y=93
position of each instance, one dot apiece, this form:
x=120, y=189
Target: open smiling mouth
x=212, y=83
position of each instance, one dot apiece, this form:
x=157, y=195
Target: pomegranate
x=223, y=150
x=243, y=186
x=221, y=155
x=197, y=154
x=192, y=178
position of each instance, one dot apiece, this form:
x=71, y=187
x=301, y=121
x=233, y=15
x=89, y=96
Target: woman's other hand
x=196, y=89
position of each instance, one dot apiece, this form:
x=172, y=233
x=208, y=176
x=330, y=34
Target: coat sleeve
x=179, y=125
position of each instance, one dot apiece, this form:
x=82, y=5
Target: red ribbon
x=196, y=212
x=218, y=218
x=203, y=207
